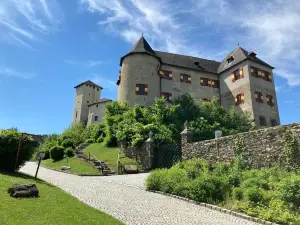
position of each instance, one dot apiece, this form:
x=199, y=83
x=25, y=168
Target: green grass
x=108, y=155
x=54, y=206
x=77, y=166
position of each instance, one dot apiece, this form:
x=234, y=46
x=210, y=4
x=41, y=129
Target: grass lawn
x=53, y=207
x=77, y=166
x=108, y=155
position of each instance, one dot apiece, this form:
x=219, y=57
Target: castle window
x=76, y=114
x=167, y=96
x=268, y=76
x=185, y=78
x=205, y=100
x=237, y=74
x=262, y=121
x=88, y=101
x=203, y=81
x=97, y=89
x=141, y=89
x=270, y=100
x=96, y=118
x=254, y=71
x=274, y=122
x=97, y=106
x=239, y=99
x=89, y=94
x=215, y=84
x=259, y=97
x=230, y=59
x=165, y=74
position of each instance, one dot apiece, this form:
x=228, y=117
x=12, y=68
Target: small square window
x=96, y=118
x=97, y=89
x=259, y=97
x=76, y=114
x=97, y=106
x=141, y=89
x=203, y=81
x=166, y=74
x=205, y=100
x=167, y=96
x=270, y=100
x=237, y=74
x=215, y=84
x=274, y=122
x=88, y=101
x=239, y=99
x=262, y=121
x=185, y=78
x=89, y=94
x=230, y=59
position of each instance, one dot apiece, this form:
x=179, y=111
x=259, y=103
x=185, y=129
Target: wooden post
x=18, y=152
x=37, y=170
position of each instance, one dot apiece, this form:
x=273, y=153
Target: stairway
x=101, y=166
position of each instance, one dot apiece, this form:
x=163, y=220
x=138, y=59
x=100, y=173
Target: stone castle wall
x=265, y=147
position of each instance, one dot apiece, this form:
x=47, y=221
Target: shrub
x=254, y=194
x=57, y=153
x=68, y=143
x=100, y=139
x=47, y=155
x=69, y=152
x=289, y=191
x=155, y=180
x=89, y=141
x=237, y=193
x=9, y=142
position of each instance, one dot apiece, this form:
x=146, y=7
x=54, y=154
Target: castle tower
x=138, y=81
x=86, y=94
x=247, y=83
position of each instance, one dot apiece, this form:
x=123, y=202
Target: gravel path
x=124, y=197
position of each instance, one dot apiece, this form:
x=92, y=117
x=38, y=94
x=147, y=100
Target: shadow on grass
x=26, y=177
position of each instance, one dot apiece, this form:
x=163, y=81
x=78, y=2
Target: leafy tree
x=9, y=142
x=76, y=132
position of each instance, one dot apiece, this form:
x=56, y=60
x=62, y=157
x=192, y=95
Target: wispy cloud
x=88, y=63
x=104, y=82
x=6, y=71
x=28, y=20
x=207, y=27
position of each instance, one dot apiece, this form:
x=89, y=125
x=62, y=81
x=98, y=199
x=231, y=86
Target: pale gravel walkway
x=124, y=198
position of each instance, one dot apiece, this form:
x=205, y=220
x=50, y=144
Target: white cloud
x=205, y=28
x=28, y=20
x=6, y=71
x=103, y=82
x=88, y=63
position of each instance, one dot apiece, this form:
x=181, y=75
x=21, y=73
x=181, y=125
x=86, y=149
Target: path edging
x=217, y=208
x=76, y=174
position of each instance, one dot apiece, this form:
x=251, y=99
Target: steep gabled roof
x=141, y=46
x=189, y=62
x=239, y=55
x=88, y=82
x=101, y=101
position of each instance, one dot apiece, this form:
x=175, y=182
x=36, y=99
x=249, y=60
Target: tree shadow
x=26, y=177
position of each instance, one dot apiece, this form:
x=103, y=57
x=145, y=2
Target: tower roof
x=141, y=46
x=238, y=55
x=88, y=82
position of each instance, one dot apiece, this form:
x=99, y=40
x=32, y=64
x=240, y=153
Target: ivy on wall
x=291, y=151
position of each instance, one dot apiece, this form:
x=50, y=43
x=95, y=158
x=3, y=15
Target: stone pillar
x=149, y=145
x=186, y=137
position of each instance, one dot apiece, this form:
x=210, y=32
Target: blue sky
x=50, y=46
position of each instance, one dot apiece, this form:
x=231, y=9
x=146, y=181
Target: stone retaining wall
x=264, y=147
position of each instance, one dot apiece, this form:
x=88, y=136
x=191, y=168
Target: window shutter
x=137, y=88
x=189, y=79
x=181, y=77
x=161, y=73
x=209, y=83
x=201, y=81
x=241, y=73
x=170, y=75
x=232, y=77
x=242, y=97
x=146, y=88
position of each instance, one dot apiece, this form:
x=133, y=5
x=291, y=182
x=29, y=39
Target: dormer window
x=253, y=54
x=230, y=59
x=198, y=65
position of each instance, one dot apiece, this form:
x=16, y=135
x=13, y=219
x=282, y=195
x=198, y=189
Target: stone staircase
x=101, y=166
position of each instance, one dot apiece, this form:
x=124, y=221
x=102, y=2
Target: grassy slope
x=77, y=166
x=108, y=155
x=53, y=207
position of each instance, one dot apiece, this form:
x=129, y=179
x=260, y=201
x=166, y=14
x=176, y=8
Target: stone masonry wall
x=265, y=147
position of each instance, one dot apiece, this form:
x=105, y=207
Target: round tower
x=139, y=82
x=86, y=94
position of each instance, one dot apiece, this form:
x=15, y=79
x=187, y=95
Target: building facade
x=88, y=107
x=241, y=80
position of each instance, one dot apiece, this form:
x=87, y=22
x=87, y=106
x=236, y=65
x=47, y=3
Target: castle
x=241, y=80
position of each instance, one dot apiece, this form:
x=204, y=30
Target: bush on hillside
x=57, y=153
x=100, y=139
x=76, y=133
x=271, y=194
x=9, y=142
x=89, y=141
x=68, y=143
x=69, y=152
